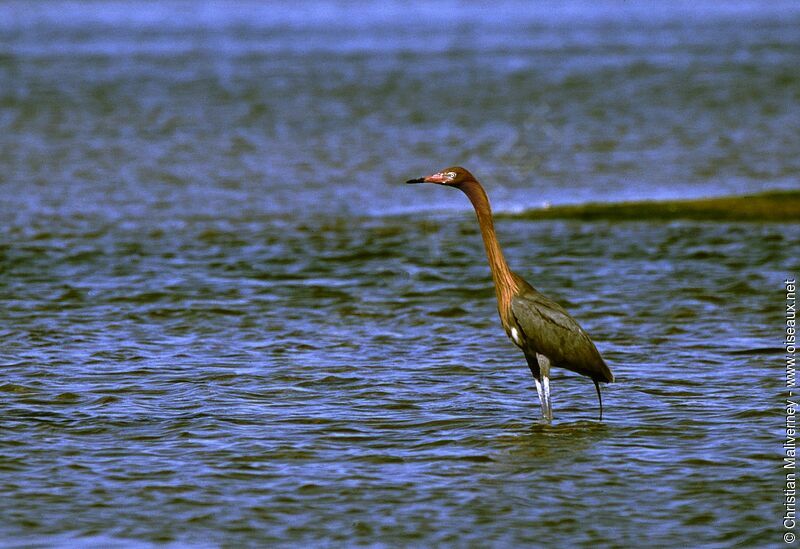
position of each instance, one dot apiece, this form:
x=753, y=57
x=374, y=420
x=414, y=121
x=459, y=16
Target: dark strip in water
x=760, y=351
x=781, y=206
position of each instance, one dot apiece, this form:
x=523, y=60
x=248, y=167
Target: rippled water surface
x=226, y=321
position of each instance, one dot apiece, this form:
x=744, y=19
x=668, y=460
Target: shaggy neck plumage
x=504, y=283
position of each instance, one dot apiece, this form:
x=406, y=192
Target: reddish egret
x=546, y=333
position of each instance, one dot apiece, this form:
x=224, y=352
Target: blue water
x=227, y=322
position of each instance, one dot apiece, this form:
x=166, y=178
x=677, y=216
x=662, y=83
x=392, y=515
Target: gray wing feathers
x=551, y=331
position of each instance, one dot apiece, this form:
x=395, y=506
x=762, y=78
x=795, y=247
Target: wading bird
x=546, y=333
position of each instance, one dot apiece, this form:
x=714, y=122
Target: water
x=226, y=321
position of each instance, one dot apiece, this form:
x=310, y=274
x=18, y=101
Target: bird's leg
x=543, y=387
x=599, y=398
x=541, y=394
x=540, y=368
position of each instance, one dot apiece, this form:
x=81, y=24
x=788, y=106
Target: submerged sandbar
x=779, y=206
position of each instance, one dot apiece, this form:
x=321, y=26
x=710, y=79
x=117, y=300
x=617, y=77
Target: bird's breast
x=515, y=336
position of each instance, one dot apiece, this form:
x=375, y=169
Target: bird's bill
x=435, y=178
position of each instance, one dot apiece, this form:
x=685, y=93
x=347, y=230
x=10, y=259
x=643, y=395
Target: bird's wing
x=550, y=330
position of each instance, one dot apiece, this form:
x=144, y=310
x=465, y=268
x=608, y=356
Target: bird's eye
x=451, y=175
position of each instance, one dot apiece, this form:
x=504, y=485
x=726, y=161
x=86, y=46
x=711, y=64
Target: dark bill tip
x=417, y=180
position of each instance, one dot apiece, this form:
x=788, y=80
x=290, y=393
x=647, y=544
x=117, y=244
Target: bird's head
x=452, y=177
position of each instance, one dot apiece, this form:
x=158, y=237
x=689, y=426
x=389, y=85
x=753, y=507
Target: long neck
x=504, y=284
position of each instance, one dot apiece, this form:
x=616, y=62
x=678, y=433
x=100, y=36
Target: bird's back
x=549, y=329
